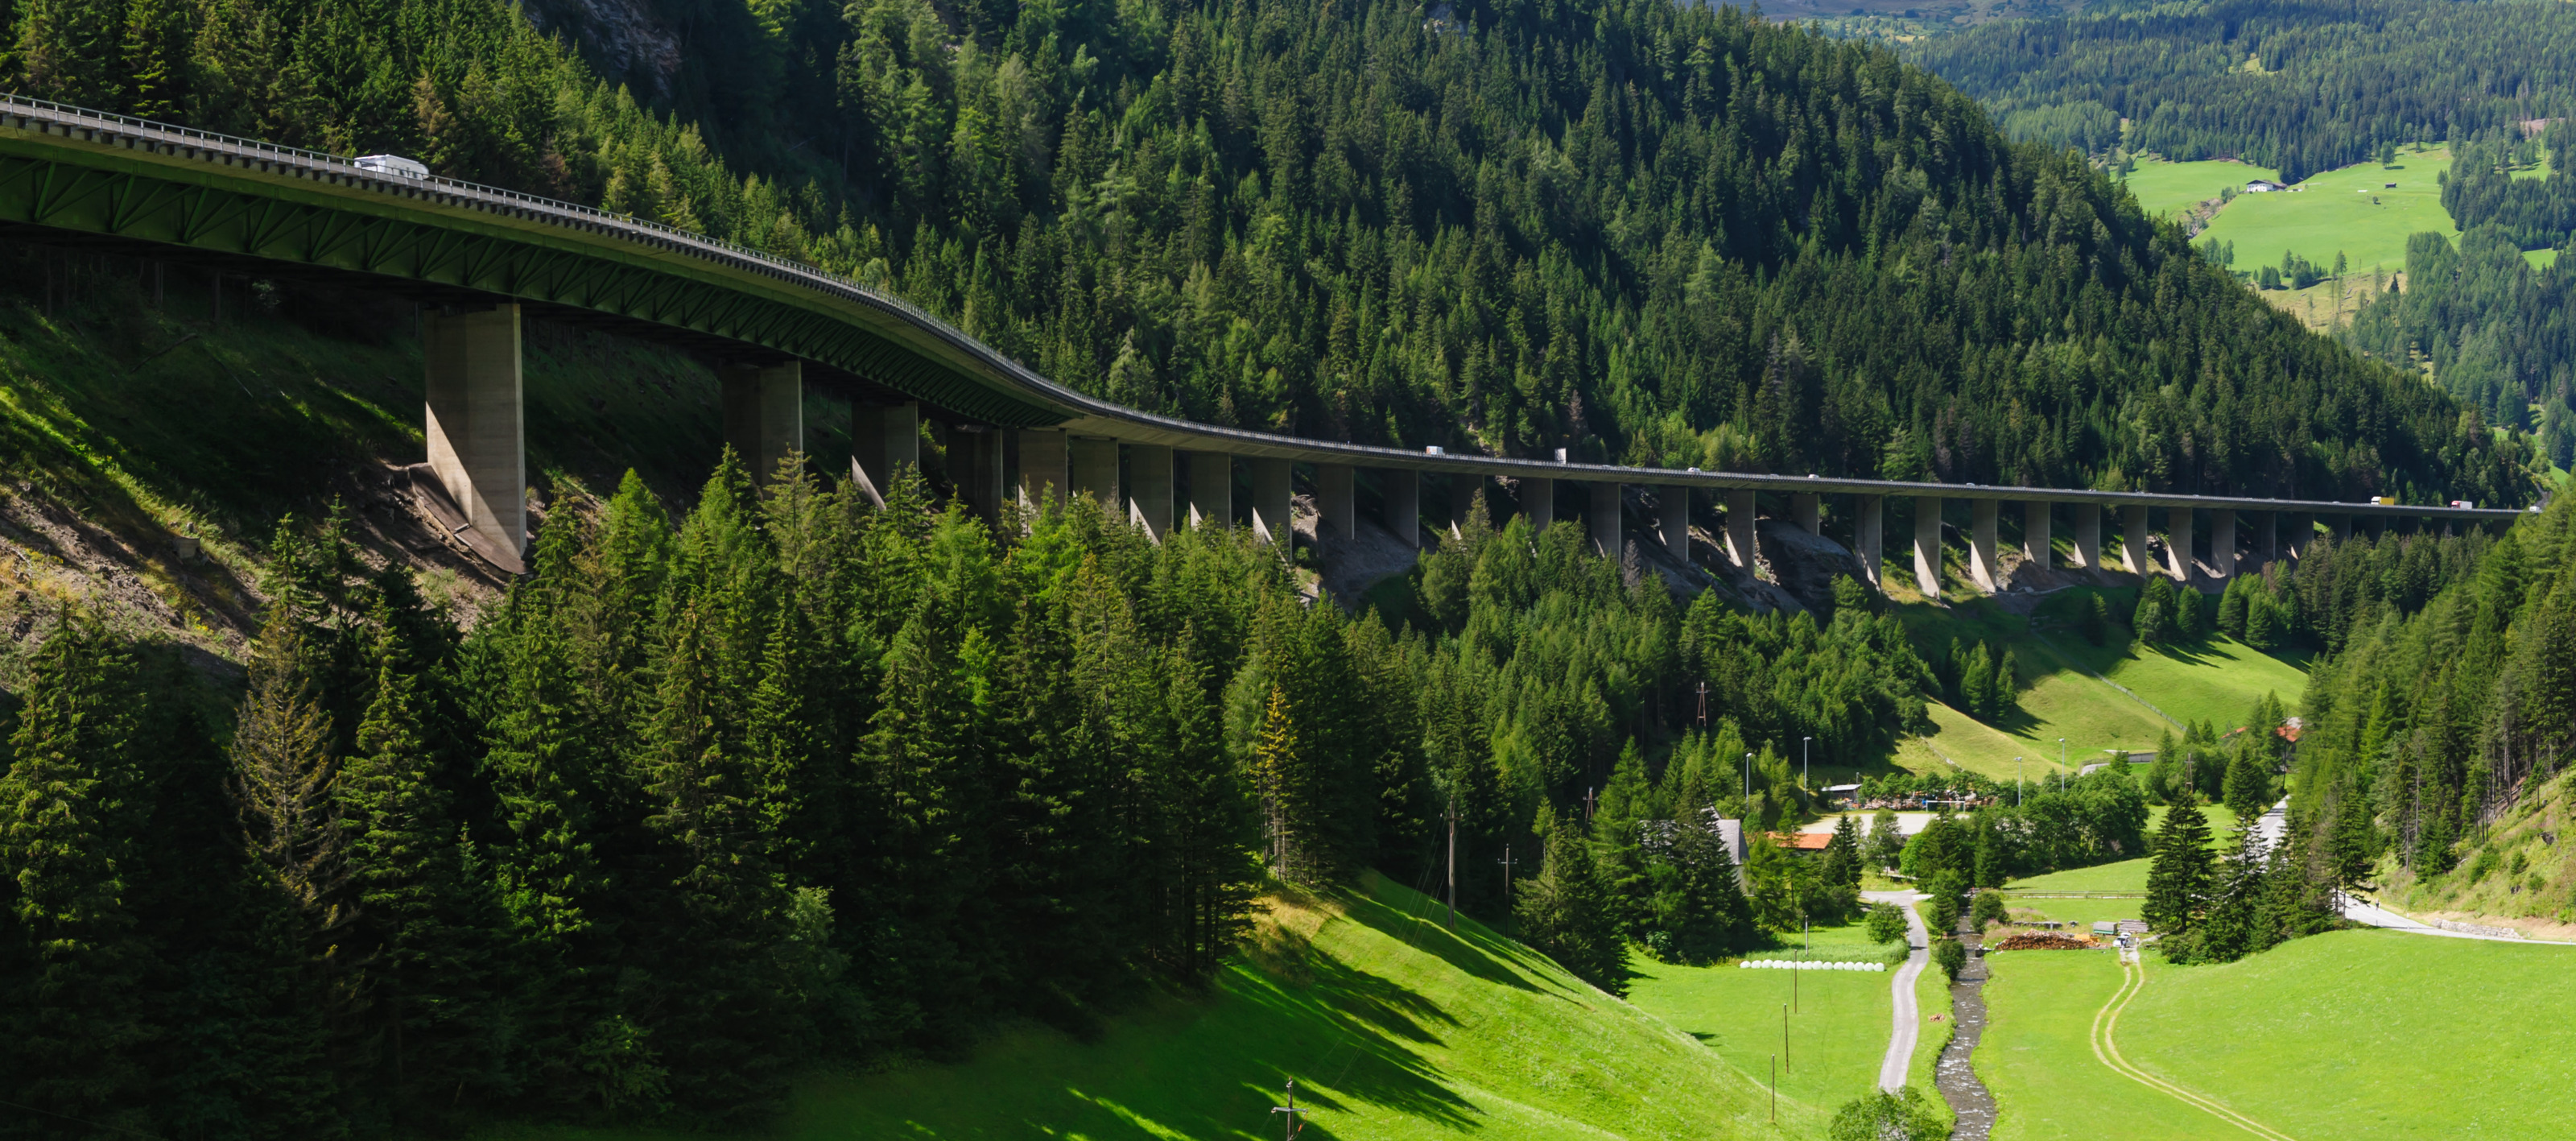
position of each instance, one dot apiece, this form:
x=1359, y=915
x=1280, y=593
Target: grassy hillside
x=2520, y=875
x=2074, y=690
x=1392, y=1028
x=2350, y=210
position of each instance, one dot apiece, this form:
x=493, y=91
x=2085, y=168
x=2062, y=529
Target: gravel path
x=1908, y=1022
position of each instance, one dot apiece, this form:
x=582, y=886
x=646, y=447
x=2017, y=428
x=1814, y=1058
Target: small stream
x=1957, y=1079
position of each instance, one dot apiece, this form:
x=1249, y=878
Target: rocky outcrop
x=1805, y=565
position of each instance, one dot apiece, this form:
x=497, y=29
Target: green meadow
x=1392, y=1027
x=2351, y=211
x=2169, y=187
x=2064, y=692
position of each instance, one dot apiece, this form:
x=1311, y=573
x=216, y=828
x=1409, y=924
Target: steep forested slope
x=2303, y=86
x=1632, y=230
x=2495, y=330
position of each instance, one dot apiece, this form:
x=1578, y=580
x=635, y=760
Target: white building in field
x=2263, y=186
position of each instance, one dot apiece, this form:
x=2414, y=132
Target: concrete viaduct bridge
x=481, y=258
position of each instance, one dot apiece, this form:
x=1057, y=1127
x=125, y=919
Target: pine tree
x=74, y=809
x=1977, y=683
x=2182, y=873
x=285, y=785
x=2189, y=621
x=2154, y=620
x=1990, y=854
x=2249, y=786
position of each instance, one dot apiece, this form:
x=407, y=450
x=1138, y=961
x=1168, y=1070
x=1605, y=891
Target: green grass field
x=2350, y=211
x=2218, y=680
x=2036, y=1058
x=1392, y=1028
x=2166, y=187
x=1835, y=1038
x=2370, y=1034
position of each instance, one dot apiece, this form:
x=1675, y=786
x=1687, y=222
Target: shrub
x=1886, y=923
x=1951, y=956
x=1988, y=910
x=1882, y=1116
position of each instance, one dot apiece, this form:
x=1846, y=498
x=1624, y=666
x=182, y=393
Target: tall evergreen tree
x=2182, y=873
x=1567, y=912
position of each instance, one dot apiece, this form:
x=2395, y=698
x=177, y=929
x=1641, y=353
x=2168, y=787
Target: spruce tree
x=1567, y=913
x=2189, y=619
x=2182, y=872
x=2153, y=621
x=74, y=809
x=1842, y=854
x=430, y=1015
x=2249, y=786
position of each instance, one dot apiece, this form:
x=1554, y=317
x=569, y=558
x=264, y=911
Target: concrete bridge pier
x=2035, y=539
x=1044, y=475
x=2340, y=526
x=1403, y=504
x=975, y=465
x=1211, y=489
x=2222, y=542
x=1739, y=528
x=1808, y=508
x=2088, y=536
x=1927, y=545
x=1868, y=527
x=2267, y=537
x=1149, y=489
x=2133, y=539
x=883, y=439
x=1338, y=502
x=477, y=427
x=1603, y=520
x=1984, y=568
x=1093, y=463
x=1672, y=511
x=1270, y=496
x=1538, y=502
x=764, y=415
x=2178, y=559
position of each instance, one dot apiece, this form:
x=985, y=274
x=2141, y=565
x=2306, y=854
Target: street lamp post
x=1747, y=793
x=2061, y=752
x=1803, y=770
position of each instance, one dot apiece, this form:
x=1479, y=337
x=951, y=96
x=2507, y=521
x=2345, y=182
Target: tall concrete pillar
x=476, y=428
x=764, y=415
x=1338, y=502
x=1739, y=528
x=884, y=438
x=1211, y=489
x=2178, y=560
x=1868, y=542
x=2301, y=531
x=1044, y=471
x=1149, y=489
x=2341, y=526
x=2035, y=538
x=2222, y=541
x=2088, y=536
x=1672, y=510
x=1809, y=509
x=1462, y=500
x=1094, y=463
x=1403, y=504
x=975, y=464
x=1927, y=545
x=1603, y=520
x=1983, y=567
x=1270, y=495
x=2133, y=538
x=1538, y=502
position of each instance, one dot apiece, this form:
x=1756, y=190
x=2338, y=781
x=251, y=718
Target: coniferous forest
x=1642, y=232
x=707, y=800
x=2301, y=86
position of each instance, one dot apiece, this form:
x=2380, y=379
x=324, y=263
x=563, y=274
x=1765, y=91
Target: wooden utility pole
x=1784, y=1031
x=1775, y=1088
x=1290, y=1126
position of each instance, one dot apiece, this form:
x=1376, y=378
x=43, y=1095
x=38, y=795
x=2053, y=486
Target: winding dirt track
x=2106, y=1023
